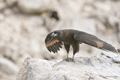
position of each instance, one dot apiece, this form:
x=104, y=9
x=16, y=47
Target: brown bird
x=69, y=37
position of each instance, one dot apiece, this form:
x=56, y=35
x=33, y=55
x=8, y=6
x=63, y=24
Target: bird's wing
x=53, y=45
x=93, y=41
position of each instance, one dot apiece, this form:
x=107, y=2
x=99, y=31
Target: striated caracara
x=70, y=37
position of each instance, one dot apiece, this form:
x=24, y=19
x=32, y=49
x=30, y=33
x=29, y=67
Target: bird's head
x=58, y=34
x=53, y=35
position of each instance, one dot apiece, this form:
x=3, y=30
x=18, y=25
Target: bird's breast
x=69, y=39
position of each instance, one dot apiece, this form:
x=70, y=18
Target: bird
x=70, y=37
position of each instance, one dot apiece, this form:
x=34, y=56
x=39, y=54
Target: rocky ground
x=96, y=68
x=24, y=25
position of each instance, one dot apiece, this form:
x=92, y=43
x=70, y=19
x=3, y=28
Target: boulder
x=10, y=2
x=34, y=6
x=95, y=68
x=2, y=5
x=8, y=67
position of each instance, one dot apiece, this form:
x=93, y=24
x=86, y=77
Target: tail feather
x=108, y=47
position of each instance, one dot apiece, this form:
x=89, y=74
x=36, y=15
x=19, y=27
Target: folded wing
x=54, y=45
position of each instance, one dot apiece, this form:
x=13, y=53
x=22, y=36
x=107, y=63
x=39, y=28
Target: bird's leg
x=73, y=56
x=67, y=47
x=67, y=56
x=75, y=49
x=69, y=59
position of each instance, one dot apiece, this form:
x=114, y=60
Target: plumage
x=69, y=37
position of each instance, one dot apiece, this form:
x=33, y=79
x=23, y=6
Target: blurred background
x=24, y=25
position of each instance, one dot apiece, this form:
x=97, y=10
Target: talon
x=69, y=60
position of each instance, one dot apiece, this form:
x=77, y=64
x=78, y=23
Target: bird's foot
x=69, y=60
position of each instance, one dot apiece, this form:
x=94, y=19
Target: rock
x=10, y=2
x=8, y=12
x=87, y=25
x=34, y=21
x=2, y=17
x=97, y=68
x=36, y=6
x=116, y=59
x=4, y=76
x=2, y=4
x=8, y=67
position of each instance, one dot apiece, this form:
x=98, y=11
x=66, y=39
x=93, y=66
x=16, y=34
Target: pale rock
x=86, y=25
x=36, y=6
x=10, y=2
x=4, y=76
x=2, y=17
x=8, y=12
x=100, y=28
x=97, y=68
x=67, y=9
x=106, y=7
x=8, y=67
x=33, y=21
x=116, y=59
x=2, y=4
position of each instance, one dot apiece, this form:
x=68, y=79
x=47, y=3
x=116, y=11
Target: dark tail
x=108, y=47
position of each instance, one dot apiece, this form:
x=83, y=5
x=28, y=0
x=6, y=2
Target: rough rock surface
x=96, y=68
x=8, y=67
x=36, y=6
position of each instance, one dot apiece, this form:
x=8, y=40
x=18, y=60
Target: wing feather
x=54, y=45
x=49, y=48
x=93, y=41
